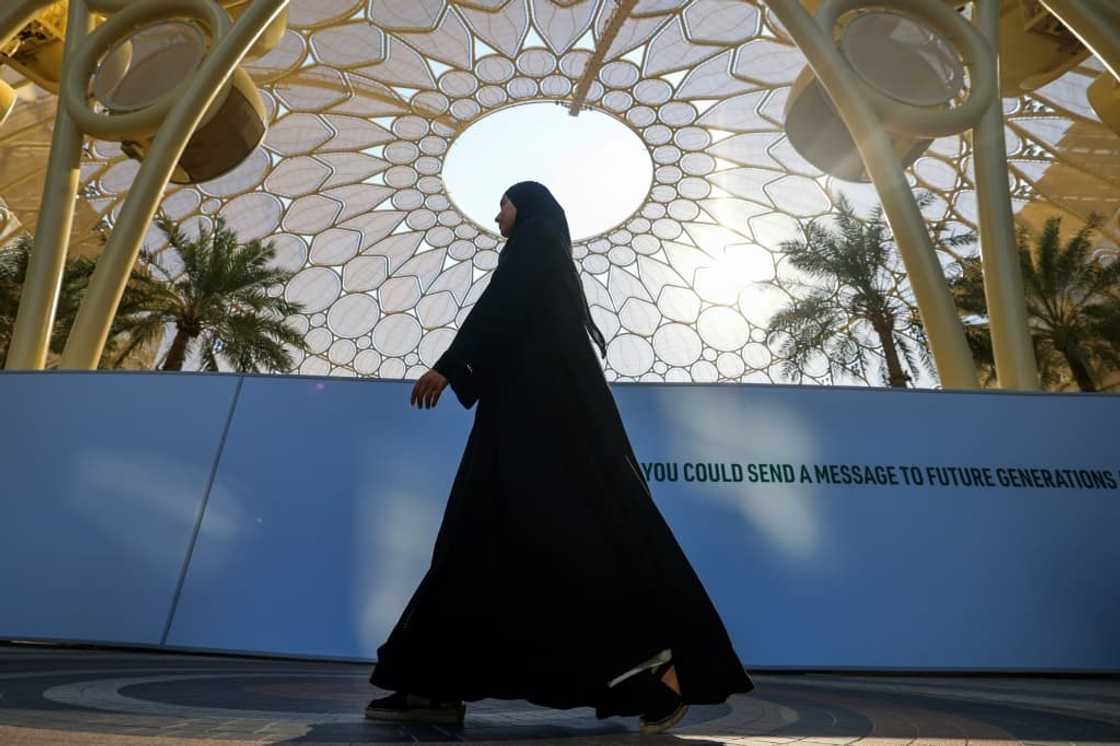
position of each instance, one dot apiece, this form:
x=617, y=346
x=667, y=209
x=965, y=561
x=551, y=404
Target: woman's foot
x=665, y=707
x=652, y=690
x=411, y=707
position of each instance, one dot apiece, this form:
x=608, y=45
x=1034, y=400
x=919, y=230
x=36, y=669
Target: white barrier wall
x=834, y=528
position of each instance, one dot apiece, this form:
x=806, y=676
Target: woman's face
x=506, y=217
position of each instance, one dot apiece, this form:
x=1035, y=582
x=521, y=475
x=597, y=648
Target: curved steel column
x=939, y=314
x=1003, y=281
x=39, y=300
x=91, y=328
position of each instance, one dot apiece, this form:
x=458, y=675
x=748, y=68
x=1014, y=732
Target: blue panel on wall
x=322, y=517
x=103, y=480
x=328, y=494
x=937, y=576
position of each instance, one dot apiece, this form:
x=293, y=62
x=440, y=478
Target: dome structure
x=364, y=98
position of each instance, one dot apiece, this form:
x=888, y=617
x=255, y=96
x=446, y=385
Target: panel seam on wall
x=201, y=513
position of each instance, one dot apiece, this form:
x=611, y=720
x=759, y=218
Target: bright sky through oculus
x=597, y=168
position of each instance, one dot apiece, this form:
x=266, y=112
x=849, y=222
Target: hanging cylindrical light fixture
x=902, y=60
x=163, y=54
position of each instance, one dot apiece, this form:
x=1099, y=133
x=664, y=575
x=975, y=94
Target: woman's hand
x=425, y=394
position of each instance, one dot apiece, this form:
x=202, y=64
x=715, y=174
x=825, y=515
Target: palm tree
x=858, y=308
x=220, y=302
x=14, y=260
x=1073, y=306
x=13, y=270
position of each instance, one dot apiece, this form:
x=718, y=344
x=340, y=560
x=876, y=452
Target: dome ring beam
x=119, y=26
x=970, y=43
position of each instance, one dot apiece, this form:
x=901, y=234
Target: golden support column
x=1003, y=281
x=91, y=328
x=939, y=314
x=39, y=300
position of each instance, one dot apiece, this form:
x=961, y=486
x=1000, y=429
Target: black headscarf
x=536, y=205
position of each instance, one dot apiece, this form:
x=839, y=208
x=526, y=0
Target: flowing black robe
x=553, y=570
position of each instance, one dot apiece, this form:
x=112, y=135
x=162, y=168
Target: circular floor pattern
x=61, y=696
x=237, y=699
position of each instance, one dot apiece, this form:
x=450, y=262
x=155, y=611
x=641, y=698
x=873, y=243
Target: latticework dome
x=366, y=98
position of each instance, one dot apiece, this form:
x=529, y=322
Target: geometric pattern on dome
x=365, y=98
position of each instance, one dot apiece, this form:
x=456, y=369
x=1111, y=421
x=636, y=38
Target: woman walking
x=554, y=577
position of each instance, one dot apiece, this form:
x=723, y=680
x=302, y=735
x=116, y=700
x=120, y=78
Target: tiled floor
x=80, y=696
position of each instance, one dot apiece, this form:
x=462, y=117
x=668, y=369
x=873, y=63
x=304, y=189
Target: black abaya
x=553, y=570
